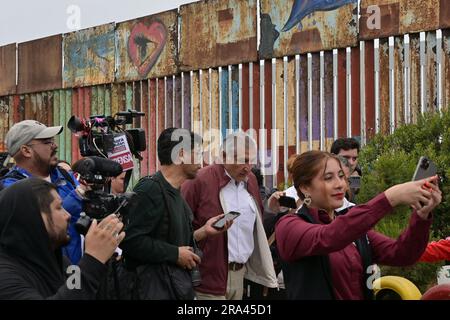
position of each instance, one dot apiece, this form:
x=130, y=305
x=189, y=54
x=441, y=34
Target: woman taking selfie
x=326, y=256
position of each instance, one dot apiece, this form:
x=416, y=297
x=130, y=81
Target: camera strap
x=169, y=212
x=67, y=176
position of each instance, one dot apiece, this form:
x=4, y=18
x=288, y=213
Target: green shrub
x=391, y=159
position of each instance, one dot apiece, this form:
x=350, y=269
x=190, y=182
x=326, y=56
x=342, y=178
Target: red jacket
x=297, y=238
x=437, y=251
x=202, y=195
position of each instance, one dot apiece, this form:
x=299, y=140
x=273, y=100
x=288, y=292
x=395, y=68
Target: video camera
x=104, y=137
x=98, y=133
x=98, y=202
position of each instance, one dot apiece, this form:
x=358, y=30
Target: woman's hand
x=415, y=193
x=436, y=197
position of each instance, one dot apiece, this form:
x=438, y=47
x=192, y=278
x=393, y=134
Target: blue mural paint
x=225, y=102
x=100, y=45
x=303, y=8
x=235, y=98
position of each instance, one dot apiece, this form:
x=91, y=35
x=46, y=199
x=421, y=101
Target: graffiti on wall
x=383, y=18
x=147, y=47
x=298, y=26
x=217, y=33
x=143, y=57
x=89, y=56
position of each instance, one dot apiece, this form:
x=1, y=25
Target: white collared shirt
x=292, y=192
x=346, y=204
x=240, y=235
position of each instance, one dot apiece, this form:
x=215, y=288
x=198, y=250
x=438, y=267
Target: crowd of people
x=168, y=243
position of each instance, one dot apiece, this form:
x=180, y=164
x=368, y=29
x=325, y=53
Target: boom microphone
x=92, y=166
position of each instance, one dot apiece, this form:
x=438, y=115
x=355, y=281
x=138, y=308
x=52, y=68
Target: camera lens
x=196, y=277
x=425, y=164
x=195, y=272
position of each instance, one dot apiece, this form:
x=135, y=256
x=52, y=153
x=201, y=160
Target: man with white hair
x=242, y=251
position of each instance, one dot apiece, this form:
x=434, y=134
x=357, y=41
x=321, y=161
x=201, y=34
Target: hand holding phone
x=425, y=169
x=219, y=224
x=287, y=202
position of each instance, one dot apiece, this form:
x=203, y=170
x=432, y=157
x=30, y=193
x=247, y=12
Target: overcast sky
x=23, y=20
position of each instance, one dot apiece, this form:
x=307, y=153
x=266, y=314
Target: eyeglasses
x=46, y=142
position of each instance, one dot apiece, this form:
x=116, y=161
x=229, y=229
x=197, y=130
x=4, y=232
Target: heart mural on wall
x=145, y=44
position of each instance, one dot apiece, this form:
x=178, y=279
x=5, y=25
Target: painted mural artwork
x=147, y=47
x=291, y=27
x=303, y=8
x=89, y=56
x=145, y=44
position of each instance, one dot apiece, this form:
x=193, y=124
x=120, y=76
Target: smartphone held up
x=426, y=168
x=287, y=202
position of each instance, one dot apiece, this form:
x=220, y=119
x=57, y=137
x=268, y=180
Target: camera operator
x=33, y=148
x=159, y=230
x=33, y=229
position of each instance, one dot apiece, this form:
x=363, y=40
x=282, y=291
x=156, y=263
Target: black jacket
x=29, y=268
x=148, y=240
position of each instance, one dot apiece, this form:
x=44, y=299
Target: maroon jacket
x=202, y=195
x=297, y=238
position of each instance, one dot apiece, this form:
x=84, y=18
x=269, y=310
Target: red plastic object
x=439, y=292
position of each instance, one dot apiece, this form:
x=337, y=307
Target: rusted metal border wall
x=311, y=98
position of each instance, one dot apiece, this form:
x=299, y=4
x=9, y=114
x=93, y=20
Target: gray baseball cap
x=23, y=132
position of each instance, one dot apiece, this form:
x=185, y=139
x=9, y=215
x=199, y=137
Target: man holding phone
x=243, y=251
x=159, y=229
x=230, y=216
